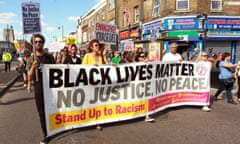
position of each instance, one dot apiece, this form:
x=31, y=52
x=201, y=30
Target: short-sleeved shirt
x=38, y=85
x=224, y=72
x=172, y=57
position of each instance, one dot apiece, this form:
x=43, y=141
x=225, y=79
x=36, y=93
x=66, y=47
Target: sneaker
x=149, y=119
x=206, y=109
x=98, y=127
x=43, y=142
x=232, y=102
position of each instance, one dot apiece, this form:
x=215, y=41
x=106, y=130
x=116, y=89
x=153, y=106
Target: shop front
x=127, y=37
x=223, y=35
x=188, y=29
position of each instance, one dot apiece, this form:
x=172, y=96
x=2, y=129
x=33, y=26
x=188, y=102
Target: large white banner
x=84, y=95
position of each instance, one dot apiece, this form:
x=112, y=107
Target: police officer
x=7, y=58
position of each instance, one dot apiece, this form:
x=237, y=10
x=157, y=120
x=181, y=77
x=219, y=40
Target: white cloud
x=73, y=18
x=51, y=29
x=8, y=18
x=48, y=28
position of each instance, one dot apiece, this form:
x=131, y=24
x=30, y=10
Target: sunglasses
x=41, y=42
x=205, y=55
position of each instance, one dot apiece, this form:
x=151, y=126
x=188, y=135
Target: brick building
x=199, y=23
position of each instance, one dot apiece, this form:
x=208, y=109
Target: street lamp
x=62, y=32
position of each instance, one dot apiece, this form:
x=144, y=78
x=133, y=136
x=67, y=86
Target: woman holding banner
x=141, y=57
x=203, y=60
x=96, y=57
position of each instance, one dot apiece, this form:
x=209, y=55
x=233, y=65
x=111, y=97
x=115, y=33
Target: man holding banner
x=172, y=55
x=33, y=65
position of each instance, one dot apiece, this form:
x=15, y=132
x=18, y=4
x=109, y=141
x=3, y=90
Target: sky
x=54, y=14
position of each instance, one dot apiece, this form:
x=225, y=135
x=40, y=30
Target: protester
x=185, y=54
x=58, y=58
x=237, y=76
x=7, y=58
x=225, y=67
x=211, y=55
x=172, y=55
x=202, y=60
x=195, y=55
x=62, y=56
x=117, y=57
x=110, y=55
x=142, y=58
x=219, y=59
x=72, y=57
x=82, y=53
x=95, y=57
x=125, y=58
x=137, y=51
x=33, y=65
x=23, y=66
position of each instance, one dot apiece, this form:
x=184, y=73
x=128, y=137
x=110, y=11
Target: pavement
x=7, y=79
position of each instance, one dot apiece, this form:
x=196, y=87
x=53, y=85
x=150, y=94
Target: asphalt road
x=19, y=124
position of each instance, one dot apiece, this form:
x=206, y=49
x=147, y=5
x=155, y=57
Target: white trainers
x=149, y=119
x=42, y=142
x=206, y=109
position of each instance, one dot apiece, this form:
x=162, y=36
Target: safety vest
x=6, y=57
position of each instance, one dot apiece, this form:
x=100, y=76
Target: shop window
x=182, y=5
x=111, y=4
x=216, y=4
x=136, y=14
x=103, y=14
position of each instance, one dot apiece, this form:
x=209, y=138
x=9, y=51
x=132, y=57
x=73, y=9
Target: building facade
x=197, y=23
x=104, y=12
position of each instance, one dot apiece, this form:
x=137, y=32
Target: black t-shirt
x=45, y=59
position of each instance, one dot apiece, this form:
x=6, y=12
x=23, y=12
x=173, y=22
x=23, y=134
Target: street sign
x=31, y=18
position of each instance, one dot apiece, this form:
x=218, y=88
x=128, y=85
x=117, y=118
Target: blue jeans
x=223, y=87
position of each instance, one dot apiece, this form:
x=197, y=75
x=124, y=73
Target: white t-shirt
x=172, y=57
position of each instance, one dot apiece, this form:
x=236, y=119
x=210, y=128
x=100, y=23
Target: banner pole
x=35, y=58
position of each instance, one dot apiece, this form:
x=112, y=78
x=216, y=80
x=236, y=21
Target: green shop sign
x=183, y=33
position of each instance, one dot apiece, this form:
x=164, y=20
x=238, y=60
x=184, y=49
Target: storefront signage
x=181, y=23
x=134, y=33
x=124, y=35
x=223, y=23
x=148, y=27
x=186, y=35
x=224, y=34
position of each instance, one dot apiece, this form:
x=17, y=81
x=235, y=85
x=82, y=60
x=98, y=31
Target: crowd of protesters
x=97, y=55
